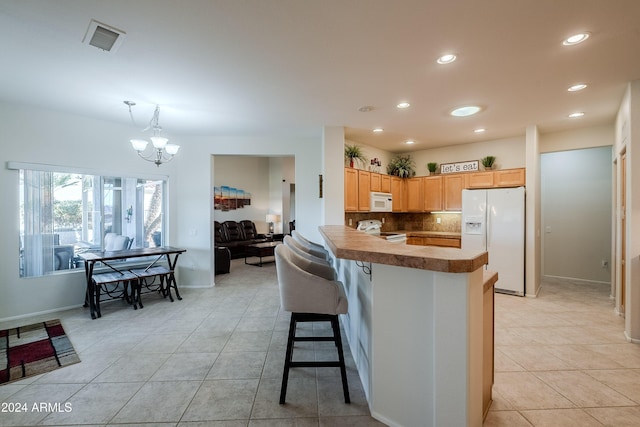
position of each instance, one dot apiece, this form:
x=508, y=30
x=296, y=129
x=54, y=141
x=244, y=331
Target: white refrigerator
x=493, y=221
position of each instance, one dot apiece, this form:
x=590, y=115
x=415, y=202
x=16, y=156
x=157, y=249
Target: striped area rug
x=34, y=349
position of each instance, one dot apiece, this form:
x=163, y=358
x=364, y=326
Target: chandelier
x=161, y=151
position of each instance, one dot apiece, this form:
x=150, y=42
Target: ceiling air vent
x=103, y=36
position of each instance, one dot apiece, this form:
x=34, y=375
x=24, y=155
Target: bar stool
x=302, y=251
x=308, y=291
x=316, y=247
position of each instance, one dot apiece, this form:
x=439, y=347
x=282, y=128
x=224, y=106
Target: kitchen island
x=414, y=326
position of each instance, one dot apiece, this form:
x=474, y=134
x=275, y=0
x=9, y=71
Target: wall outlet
x=438, y=220
x=350, y=221
x=383, y=220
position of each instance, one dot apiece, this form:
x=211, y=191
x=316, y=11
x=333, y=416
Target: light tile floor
x=562, y=360
x=215, y=359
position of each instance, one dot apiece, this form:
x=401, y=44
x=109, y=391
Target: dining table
x=114, y=265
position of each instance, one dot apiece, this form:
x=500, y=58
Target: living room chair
x=308, y=291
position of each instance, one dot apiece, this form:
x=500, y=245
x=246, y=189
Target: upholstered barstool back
x=292, y=241
x=296, y=248
x=308, y=243
x=308, y=290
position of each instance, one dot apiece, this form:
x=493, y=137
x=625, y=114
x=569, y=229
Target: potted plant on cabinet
x=402, y=166
x=488, y=162
x=353, y=153
x=432, y=168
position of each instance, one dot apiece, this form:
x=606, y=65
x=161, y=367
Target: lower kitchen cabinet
x=433, y=241
x=441, y=241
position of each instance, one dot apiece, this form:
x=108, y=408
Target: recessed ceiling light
x=467, y=110
x=365, y=108
x=446, y=59
x=577, y=87
x=409, y=142
x=479, y=130
x=576, y=115
x=378, y=130
x=575, y=39
x=403, y=105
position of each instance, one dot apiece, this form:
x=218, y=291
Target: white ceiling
x=292, y=66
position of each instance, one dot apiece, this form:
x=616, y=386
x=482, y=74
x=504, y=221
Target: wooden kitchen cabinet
x=453, y=185
x=509, y=177
x=376, y=182
x=350, y=189
x=432, y=199
x=414, y=194
x=441, y=241
x=385, y=183
x=397, y=190
x=364, y=188
x=415, y=241
x=480, y=180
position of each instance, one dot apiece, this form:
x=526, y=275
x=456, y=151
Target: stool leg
x=97, y=288
x=343, y=370
x=288, y=358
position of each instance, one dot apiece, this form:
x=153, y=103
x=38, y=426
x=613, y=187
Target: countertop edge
x=348, y=243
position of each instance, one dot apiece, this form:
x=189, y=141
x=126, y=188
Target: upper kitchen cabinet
x=385, y=183
x=499, y=178
x=414, y=195
x=432, y=186
x=453, y=185
x=480, y=180
x=510, y=177
x=364, y=190
x=397, y=190
x=376, y=182
x=350, y=189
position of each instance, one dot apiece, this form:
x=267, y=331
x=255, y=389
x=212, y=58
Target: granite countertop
x=348, y=243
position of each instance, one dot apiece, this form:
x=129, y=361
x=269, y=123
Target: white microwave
x=380, y=202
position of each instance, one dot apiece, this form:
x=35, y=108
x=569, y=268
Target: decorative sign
x=471, y=166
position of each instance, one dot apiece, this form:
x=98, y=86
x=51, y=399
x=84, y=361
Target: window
x=64, y=213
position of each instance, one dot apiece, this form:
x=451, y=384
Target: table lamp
x=272, y=218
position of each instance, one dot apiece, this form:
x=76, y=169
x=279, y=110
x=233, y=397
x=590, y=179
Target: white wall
x=509, y=152
x=596, y=136
x=253, y=179
x=43, y=136
x=576, y=213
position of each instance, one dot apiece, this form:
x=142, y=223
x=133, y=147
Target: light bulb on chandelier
x=162, y=151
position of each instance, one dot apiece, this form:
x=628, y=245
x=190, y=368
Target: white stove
x=374, y=226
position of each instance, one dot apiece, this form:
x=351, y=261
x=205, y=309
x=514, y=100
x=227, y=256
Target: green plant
x=402, y=166
x=488, y=161
x=432, y=167
x=354, y=153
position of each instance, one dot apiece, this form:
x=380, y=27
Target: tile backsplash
x=450, y=222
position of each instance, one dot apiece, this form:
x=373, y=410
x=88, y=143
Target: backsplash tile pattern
x=450, y=222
